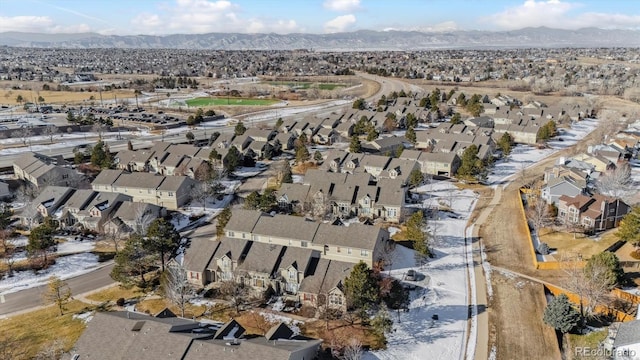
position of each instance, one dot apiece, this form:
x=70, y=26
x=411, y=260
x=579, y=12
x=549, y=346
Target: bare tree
x=51, y=132
x=114, y=235
x=58, y=292
x=351, y=351
x=589, y=285
x=177, y=287
x=23, y=134
x=616, y=183
x=200, y=193
x=237, y=293
x=99, y=129
x=538, y=212
x=8, y=250
x=261, y=322
x=143, y=218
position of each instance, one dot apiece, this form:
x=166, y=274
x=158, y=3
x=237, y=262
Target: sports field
x=306, y=84
x=213, y=101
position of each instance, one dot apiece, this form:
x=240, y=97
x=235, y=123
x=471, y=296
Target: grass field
x=23, y=336
x=306, y=84
x=566, y=244
x=212, y=101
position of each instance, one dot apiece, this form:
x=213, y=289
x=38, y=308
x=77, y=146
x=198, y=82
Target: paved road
x=30, y=299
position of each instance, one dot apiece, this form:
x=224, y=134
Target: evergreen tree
x=361, y=288
x=302, y=154
x=162, y=238
x=355, y=146
x=505, y=142
x=190, y=137
x=132, y=262
x=399, y=151
x=267, y=200
x=411, y=135
x=381, y=325
x=415, y=177
x=278, y=124
x=317, y=156
x=223, y=219
x=613, y=275
x=372, y=133
x=252, y=201
x=239, y=129
x=41, y=241
x=233, y=159
x=415, y=233
x=456, y=119
x=359, y=104
x=471, y=166
x=629, y=229
x=286, y=175
x=561, y=315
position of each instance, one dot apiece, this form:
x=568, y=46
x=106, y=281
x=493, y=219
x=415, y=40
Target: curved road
x=30, y=299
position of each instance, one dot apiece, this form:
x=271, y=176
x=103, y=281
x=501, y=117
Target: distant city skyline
x=148, y=17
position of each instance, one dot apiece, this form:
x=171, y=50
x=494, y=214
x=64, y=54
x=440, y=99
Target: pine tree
x=355, y=146
x=223, y=218
x=239, y=129
x=504, y=143
x=629, y=229
x=561, y=315
x=361, y=288
x=613, y=273
x=411, y=135
x=162, y=238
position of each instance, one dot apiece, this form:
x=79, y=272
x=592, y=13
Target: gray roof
x=243, y=220
x=52, y=195
x=129, y=211
x=107, y=177
x=199, y=253
x=262, y=257
x=628, y=334
x=233, y=248
x=81, y=199
x=287, y=227
x=139, y=181
x=173, y=183
x=354, y=236
x=279, y=331
x=152, y=340
x=294, y=192
x=325, y=275
x=298, y=257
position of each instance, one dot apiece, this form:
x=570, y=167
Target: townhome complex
x=296, y=257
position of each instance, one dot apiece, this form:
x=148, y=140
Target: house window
x=293, y=274
x=338, y=248
x=335, y=299
x=292, y=288
x=304, y=244
x=364, y=252
x=231, y=234
x=65, y=176
x=243, y=235
x=349, y=251
x=255, y=237
x=170, y=194
x=391, y=213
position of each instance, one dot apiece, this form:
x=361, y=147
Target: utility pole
x=137, y=102
x=101, y=103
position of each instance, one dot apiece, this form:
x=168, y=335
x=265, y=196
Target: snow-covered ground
x=442, y=291
x=65, y=267
x=63, y=141
x=524, y=156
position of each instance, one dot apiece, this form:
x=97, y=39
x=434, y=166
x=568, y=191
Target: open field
x=114, y=293
x=212, y=101
x=567, y=244
x=23, y=336
x=9, y=96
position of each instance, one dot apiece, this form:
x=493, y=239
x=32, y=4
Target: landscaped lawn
x=212, y=101
x=590, y=341
x=28, y=333
x=116, y=292
x=565, y=243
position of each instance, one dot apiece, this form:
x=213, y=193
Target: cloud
x=340, y=23
x=205, y=16
x=39, y=24
x=557, y=14
x=342, y=5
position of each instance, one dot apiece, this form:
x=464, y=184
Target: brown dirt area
x=8, y=96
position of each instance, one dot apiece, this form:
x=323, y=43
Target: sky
x=153, y=17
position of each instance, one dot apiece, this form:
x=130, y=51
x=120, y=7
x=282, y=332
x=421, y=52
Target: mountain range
x=541, y=37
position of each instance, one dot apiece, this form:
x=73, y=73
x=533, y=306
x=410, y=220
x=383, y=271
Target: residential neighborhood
x=466, y=203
